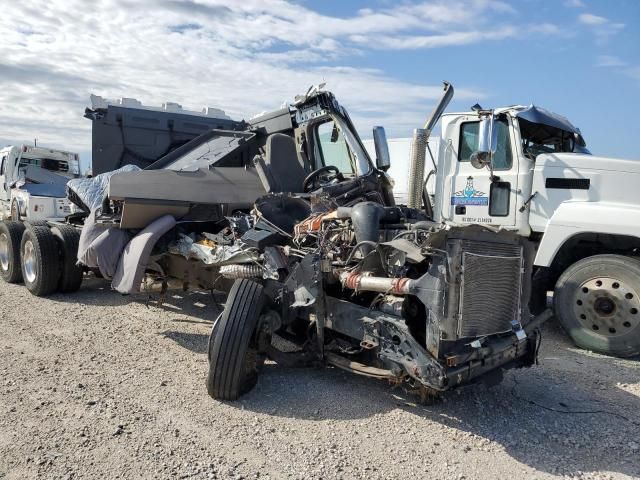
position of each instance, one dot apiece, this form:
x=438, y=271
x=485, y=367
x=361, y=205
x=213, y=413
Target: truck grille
x=490, y=288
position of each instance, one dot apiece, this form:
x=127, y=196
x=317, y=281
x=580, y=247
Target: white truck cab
x=32, y=182
x=528, y=170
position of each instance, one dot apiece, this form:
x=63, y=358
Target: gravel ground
x=96, y=385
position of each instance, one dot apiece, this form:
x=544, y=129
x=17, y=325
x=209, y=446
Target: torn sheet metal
x=211, y=255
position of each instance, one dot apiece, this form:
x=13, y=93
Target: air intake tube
x=365, y=217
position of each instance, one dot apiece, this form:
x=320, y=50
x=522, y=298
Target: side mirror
x=383, y=159
x=487, y=142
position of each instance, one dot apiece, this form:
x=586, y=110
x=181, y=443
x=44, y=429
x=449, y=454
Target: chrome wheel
x=607, y=306
x=29, y=262
x=4, y=252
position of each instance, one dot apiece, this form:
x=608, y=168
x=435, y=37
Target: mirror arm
x=433, y=161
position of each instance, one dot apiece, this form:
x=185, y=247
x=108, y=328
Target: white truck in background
x=33, y=210
x=525, y=169
x=32, y=183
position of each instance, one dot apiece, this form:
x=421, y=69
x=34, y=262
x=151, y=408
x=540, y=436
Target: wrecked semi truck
x=293, y=217
x=360, y=283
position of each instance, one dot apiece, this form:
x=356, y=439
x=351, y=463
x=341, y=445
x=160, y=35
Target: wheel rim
x=607, y=306
x=4, y=252
x=29, y=260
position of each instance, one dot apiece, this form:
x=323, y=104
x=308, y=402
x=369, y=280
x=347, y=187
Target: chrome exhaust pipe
x=416, y=167
x=419, y=149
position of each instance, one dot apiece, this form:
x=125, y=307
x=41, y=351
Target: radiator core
x=491, y=283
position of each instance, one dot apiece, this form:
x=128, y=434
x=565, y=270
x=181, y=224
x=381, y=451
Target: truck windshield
x=46, y=163
x=538, y=139
x=339, y=147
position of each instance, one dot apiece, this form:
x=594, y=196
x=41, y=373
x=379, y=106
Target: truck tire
x=70, y=273
x=10, y=236
x=232, y=358
x=597, y=301
x=40, y=261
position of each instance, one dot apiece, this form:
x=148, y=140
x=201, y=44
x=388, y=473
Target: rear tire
x=70, y=273
x=597, y=301
x=10, y=238
x=40, y=261
x=233, y=359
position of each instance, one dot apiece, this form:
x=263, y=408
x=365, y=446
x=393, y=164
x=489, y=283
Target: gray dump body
x=130, y=135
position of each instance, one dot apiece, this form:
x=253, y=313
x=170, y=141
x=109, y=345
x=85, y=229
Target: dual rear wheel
x=43, y=258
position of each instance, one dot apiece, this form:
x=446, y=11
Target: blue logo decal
x=469, y=196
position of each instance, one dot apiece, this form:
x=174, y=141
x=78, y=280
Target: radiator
x=491, y=283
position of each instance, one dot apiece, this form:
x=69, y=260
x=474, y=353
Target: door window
x=499, y=199
x=502, y=159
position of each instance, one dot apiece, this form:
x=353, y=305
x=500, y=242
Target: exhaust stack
x=416, y=167
x=419, y=148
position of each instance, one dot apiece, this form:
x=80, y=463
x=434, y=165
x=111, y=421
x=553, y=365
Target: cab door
x=473, y=197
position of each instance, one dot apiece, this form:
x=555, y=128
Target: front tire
x=10, y=237
x=233, y=358
x=597, y=301
x=40, y=262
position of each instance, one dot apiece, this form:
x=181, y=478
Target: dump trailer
x=127, y=132
x=42, y=219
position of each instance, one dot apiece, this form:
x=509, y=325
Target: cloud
x=601, y=27
x=633, y=72
x=243, y=57
x=434, y=41
x=619, y=66
x=590, y=19
x=574, y=4
x=610, y=61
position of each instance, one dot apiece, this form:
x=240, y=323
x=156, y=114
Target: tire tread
x=71, y=274
x=47, y=259
x=226, y=378
x=14, y=231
